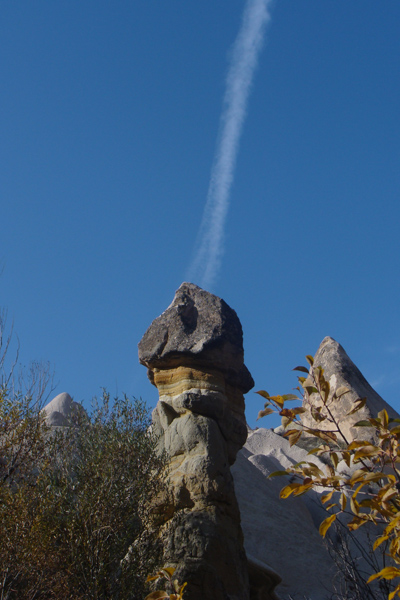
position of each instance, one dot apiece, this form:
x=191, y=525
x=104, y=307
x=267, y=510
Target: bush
x=76, y=514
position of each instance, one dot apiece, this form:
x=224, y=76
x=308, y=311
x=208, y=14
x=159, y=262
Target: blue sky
x=108, y=127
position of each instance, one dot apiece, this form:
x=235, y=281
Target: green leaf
x=310, y=359
x=311, y=389
x=290, y=397
x=362, y=424
x=299, y=410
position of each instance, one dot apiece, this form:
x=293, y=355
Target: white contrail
x=209, y=247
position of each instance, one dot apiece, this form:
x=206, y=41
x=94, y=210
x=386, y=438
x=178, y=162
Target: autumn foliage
x=361, y=477
x=76, y=502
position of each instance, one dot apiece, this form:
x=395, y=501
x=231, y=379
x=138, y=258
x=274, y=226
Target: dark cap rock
x=198, y=327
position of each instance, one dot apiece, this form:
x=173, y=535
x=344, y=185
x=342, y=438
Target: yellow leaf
x=356, y=523
x=289, y=489
x=357, y=476
x=264, y=394
x=366, y=451
x=379, y=541
x=343, y=501
x=278, y=473
x=323, y=528
x=302, y=369
x=354, y=506
x=360, y=404
x=278, y=400
x=334, y=459
x=384, y=417
x=302, y=489
x=341, y=391
x=388, y=496
x=157, y=595
x=327, y=497
x=358, y=444
x=386, y=573
x=168, y=571
x=395, y=591
x=393, y=524
x=265, y=412
x=347, y=458
x=294, y=437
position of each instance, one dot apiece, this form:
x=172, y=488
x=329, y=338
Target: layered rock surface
x=194, y=355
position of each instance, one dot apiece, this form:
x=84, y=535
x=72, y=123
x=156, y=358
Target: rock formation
x=61, y=410
x=340, y=371
x=284, y=533
x=194, y=355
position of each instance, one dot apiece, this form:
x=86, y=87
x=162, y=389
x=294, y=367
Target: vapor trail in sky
x=209, y=247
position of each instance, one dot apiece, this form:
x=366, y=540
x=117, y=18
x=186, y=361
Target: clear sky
x=109, y=121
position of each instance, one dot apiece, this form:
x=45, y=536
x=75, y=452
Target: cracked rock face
x=194, y=355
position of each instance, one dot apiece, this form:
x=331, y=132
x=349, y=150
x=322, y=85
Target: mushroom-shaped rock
x=194, y=355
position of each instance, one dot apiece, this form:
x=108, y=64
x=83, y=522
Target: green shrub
x=75, y=515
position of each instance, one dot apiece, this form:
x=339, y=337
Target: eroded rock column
x=194, y=355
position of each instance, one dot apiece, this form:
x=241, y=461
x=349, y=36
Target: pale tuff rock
x=282, y=534
x=340, y=371
x=194, y=355
x=61, y=410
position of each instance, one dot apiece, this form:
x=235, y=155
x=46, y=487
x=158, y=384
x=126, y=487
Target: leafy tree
x=367, y=491
x=76, y=519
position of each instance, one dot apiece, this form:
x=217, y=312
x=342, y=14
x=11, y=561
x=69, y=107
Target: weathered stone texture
x=340, y=371
x=194, y=355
